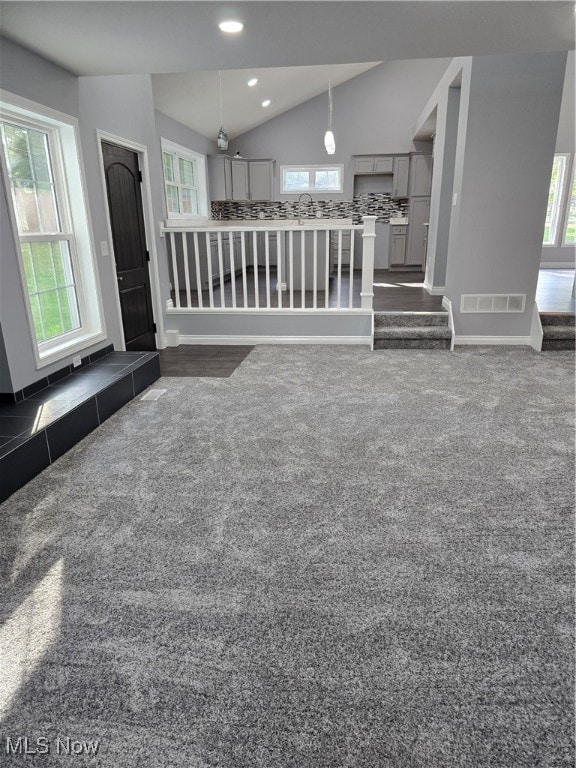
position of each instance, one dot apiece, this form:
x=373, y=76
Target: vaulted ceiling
x=288, y=45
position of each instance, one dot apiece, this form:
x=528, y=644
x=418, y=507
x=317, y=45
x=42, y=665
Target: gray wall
x=442, y=187
x=122, y=106
x=373, y=113
x=565, y=142
x=509, y=109
x=32, y=77
x=5, y=380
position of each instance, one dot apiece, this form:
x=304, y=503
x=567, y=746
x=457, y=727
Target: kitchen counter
x=250, y=224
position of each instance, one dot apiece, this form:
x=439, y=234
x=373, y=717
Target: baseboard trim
x=493, y=340
x=435, y=291
x=254, y=340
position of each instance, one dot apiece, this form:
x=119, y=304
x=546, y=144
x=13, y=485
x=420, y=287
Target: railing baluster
x=291, y=267
x=256, y=287
x=327, y=270
x=279, y=257
x=232, y=269
x=315, y=271
x=186, y=268
x=351, y=298
x=175, y=270
x=302, y=269
x=267, y=259
x=221, y=270
x=209, y=262
x=339, y=286
x=244, y=284
x=197, y=264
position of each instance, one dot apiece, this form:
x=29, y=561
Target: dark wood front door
x=129, y=240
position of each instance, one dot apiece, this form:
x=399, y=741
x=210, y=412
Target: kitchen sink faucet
x=304, y=194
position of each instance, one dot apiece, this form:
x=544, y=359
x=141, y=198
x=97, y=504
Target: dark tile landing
x=38, y=429
x=200, y=360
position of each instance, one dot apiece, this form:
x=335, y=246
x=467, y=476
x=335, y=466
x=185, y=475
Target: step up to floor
x=411, y=330
x=559, y=331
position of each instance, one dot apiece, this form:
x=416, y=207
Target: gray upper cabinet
x=373, y=164
x=220, y=177
x=260, y=179
x=239, y=179
x=400, y=181
x=420, y=175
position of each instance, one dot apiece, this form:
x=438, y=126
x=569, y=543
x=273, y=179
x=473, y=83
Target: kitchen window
x=184, y=182
x=47, y=206
x=555, y=199
x=311, y=178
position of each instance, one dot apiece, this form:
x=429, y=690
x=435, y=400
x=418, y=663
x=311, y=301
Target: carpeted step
x=404, y=319
x=550, y=345
x=414, y=332
x=557, y=318
x=424, y=343
x=559, y=331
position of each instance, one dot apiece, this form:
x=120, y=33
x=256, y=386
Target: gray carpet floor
x=333, y=558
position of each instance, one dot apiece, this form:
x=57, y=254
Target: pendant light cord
x=220, y=85
x=330, y=97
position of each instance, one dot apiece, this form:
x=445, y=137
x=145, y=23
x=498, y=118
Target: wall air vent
x=492, y=302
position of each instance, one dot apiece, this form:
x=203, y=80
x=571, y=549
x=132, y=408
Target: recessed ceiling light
x=266, y=103
x=231, y=26
x=252, y=82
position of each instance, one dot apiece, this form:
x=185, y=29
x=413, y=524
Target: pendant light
x=222, y=139
x=329, y=140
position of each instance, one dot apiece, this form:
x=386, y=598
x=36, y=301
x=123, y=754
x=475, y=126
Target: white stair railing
x=233, y=268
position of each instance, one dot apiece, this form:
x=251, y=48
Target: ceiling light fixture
x=222, y=139
x=252, y=82
x=266, y=103
x=231, y=27
x=329, y=140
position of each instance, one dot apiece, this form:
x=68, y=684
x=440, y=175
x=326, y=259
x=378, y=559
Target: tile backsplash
x=378, y=204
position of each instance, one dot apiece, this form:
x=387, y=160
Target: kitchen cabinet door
x=364, y=165
x=383, y=164
x=220, y=177
x=397, y=250
x=417, y=232
x=240, y=180
x=420, y=175
x=400, y=183
x=260, y=179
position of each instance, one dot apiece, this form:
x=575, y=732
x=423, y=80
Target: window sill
x=57, y=353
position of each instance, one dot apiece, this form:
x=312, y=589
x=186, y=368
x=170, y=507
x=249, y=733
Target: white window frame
x=67, y=167
x=558, y=211
x=571, y=179
x=200, y=165
x=312, y=169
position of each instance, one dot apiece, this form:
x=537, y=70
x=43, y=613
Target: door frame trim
x=148, y=214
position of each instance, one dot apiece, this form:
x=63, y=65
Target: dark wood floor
x=554, y=291
x=195, y=360
x=393, y=292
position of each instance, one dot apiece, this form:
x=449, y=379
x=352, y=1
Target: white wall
x=373, y=113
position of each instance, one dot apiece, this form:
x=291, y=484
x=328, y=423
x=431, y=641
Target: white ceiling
x=192, y=98
x=180, y=43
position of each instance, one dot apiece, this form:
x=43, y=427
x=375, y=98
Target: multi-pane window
x=46, y=240
x=555, y=199
x=570, y=229
x=185, y=181
x=312, y=178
